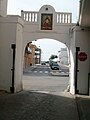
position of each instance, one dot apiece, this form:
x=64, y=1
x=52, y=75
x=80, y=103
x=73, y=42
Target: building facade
x=46, y=23
x=63, y=56
x=32, y=55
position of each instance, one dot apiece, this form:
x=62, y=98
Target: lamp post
x=39, y=55
x=34, y=47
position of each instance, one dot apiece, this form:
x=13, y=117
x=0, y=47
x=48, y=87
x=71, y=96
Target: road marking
x=46, y=72
x=40, y=71
x=62, y=72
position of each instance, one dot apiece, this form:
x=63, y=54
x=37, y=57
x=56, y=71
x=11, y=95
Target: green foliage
x=53, y=56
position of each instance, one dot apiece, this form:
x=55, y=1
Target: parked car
x=43, y=63
x=55, y=66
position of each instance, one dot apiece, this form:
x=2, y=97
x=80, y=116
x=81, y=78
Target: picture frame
x=46, y=21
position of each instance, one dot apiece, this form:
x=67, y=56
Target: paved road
x=44, y=70
x=41, y=79
x=48, y=84
x=39, y=70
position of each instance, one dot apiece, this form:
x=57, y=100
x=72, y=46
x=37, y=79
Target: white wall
x=8, y=35
x=19, y=56
x=60, y=33
x=83, y=41
x=72, y=64
x=80, y=38
x=3, y=8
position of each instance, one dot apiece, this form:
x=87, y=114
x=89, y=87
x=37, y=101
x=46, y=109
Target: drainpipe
x=12, y=89
x=76, y=69
x=89, y=84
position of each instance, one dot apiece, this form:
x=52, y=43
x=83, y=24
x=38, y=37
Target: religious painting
x=46, y=21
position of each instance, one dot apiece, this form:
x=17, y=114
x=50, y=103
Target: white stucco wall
x=72, y=64
x=3, y=8
x=10, y=27
x=83, y=41
x=19, y=56
x=60, y=33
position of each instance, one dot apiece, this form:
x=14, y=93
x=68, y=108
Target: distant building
x=32, y=55
x=63, y=56
x=37, y=55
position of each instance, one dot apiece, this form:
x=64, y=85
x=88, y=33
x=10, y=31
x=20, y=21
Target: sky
x=48, y=47
x=15, y=7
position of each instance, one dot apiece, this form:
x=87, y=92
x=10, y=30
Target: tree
x=53, y=56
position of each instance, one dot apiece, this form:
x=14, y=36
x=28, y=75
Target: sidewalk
x=83, y=105
x=59, y=73
x=28, y=105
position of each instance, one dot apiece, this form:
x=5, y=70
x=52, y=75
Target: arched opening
x=46, y=65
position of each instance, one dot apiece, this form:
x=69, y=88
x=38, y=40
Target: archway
x=60, y=31
x=30, y=36
x=37, y=74
x=48, y=47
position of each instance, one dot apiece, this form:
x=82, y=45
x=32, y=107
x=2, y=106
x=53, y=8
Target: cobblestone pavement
x=28, y=105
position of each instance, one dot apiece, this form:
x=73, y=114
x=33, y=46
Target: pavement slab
x=83, y=104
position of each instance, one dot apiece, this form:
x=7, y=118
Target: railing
x=29, y=16
x=33, y=17
x=64, y=17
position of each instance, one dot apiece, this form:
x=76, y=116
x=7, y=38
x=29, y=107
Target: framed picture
x=46, y=21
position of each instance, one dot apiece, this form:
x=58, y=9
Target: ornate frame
x=46, y=21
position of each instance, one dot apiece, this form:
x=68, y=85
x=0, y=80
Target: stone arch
x=44, y=37
x=64, y=38
x=32, y=31
x=35, y=36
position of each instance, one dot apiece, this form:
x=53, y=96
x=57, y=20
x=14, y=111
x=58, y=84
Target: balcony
x=33, y=17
